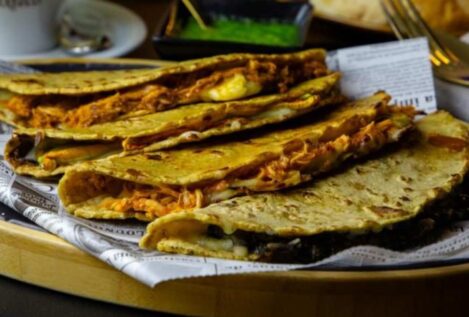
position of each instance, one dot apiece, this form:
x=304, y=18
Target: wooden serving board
x=42, y=259
x=45, y=260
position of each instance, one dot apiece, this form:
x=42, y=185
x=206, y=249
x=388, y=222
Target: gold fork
x=407, y=22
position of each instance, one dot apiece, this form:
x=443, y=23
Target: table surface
x=21, y=299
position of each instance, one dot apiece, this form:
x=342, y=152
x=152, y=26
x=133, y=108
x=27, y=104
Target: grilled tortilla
x=150, y=185
x=83, y=99
x=5, y=115
x=358, y=205
x=56, y=149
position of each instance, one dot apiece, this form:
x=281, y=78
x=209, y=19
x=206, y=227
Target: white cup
x=28, y=26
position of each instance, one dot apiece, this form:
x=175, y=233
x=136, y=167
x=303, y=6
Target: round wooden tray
x=45, y=260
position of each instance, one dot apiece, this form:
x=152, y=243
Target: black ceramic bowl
x=169, y=46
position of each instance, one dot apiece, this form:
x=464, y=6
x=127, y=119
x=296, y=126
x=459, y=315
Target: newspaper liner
x=116, y=242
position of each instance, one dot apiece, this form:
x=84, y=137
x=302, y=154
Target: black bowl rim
x=159, y=36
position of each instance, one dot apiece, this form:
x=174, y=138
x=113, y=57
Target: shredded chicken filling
x=287, y=170
x=228, y=84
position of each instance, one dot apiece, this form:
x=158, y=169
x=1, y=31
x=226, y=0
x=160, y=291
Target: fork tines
x=407, y=22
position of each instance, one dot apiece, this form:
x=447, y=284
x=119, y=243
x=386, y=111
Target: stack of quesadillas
x=208, y=151
x=150, y=185
x=53, y=150
x=66, y=118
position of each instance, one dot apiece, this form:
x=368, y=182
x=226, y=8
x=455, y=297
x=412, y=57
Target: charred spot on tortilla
x=154, y=156
x=28, y=81
x=384, y=211
x=134, y=172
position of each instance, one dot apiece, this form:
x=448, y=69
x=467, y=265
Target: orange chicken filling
x=290, y=169
x=160, y=95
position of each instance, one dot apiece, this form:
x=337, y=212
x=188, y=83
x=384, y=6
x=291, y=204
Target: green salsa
x=243, y=31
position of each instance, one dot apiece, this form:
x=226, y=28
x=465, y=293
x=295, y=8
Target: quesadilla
x=393, y=200
x=74, y=99
x=6, y=116
x=54, y=150
x=150, y=185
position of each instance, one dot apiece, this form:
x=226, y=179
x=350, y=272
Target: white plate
x=128, y=31
x=465, y=38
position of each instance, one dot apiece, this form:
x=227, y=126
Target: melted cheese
x=225, y=244
x=235, y=87
x=274, y=113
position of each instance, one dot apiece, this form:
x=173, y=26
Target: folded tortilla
x=365, y=203
x=147, y=186
x=81, y=99
x=54, y=150
x=6, y=116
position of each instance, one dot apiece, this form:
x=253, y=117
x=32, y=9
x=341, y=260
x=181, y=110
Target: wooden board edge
x=48, y=244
